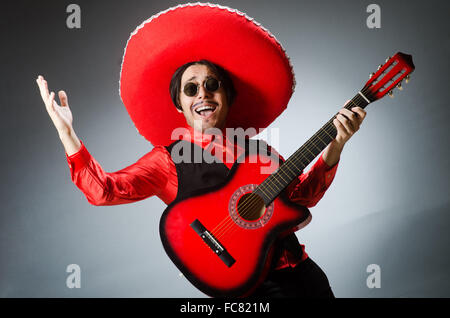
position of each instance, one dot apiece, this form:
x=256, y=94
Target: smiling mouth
x=205, y=109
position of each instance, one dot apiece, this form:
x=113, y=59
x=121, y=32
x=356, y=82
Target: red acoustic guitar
x=222, y=238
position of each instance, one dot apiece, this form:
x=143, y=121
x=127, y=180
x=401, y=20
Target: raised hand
x=61, y=116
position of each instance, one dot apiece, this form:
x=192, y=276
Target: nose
x=203, y=93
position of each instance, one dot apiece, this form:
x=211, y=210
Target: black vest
x=193, y=177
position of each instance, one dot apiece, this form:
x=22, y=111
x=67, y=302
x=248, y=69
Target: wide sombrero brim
x=258, y=65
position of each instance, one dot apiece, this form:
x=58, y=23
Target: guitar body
x=221, y=247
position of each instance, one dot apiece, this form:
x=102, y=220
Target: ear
x=178, y=100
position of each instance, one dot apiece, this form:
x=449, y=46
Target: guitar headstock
x=389, y=76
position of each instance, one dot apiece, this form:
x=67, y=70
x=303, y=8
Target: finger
x=46, y=94
x=63, y=98
x=51, y=108
x=50, y=104
x=361, y=112
x=341, y=130
x=343, y=115
x=346, y=123
x=352, y=117
x=348, y=113
x=43, y=88
x=45, y=84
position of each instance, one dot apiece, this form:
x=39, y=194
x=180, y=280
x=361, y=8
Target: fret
x=267, y=198
x=300, y=159
x=324, y=143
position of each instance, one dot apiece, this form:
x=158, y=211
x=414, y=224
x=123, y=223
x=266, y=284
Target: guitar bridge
x=213, y=243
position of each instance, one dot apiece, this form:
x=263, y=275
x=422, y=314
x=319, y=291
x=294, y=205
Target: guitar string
x=310, y=142
x=353, y=100
x=244, y=206
x=248, y=206
x=246, y=209
x=356, y=99
x=262, y=188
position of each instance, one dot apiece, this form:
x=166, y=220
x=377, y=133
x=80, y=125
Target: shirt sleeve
x=147, y=177
x=308, y=188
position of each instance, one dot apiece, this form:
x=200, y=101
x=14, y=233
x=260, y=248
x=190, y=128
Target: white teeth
x=198, y=110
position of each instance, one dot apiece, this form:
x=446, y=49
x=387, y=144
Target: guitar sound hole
x=251, y=207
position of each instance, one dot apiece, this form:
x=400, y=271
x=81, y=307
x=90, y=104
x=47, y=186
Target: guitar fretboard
x=294, y=165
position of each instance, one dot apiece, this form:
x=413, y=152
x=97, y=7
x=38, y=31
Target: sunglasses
x=211, y=85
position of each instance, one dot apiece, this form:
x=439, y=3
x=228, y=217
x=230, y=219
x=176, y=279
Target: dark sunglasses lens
x=212, y=84
x=190, y=89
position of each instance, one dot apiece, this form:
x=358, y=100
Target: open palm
x=60, y=115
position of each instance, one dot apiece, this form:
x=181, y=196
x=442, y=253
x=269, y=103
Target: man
x=204, y=94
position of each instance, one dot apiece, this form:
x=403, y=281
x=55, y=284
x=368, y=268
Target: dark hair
x=223, y=76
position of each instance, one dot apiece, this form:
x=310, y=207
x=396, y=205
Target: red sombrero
x=257, y=63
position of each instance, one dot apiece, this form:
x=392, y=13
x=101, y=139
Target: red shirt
x=155, y=174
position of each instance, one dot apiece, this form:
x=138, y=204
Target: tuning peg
x=391, y=94
x=399, y=86
x=407, y=78
x=380, y=66
x=371, y=74
x=388, y=59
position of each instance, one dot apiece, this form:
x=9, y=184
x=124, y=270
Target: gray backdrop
x=389, y=202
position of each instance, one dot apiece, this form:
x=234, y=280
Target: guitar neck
x=296, y=163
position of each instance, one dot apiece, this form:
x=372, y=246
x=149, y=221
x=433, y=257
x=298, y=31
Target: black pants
x=306, y=280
